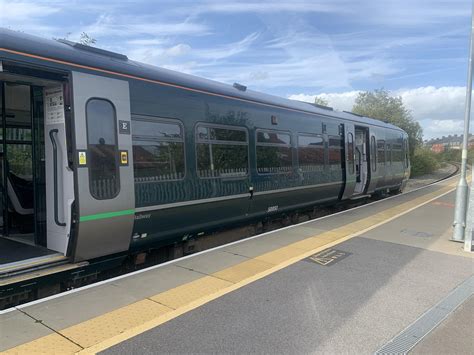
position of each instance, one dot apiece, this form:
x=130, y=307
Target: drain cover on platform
x=328, y=257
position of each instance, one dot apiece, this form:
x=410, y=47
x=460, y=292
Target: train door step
x=358, y=197
x=17, y=257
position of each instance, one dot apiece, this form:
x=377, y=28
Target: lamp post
x=462, y=188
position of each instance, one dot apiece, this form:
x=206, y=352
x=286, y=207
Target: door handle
x=55, y=172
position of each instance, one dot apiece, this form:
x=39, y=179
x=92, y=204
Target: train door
x=25, y=167
x=350, y=170
x=17, y=183
x=373, y=168
x=360, y=160
x=104, y=163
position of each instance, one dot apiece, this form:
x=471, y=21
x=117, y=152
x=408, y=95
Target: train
x=104, y=156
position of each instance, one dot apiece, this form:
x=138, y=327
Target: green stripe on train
x=97, y=216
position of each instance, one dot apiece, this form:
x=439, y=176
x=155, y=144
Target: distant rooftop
x=448, y=139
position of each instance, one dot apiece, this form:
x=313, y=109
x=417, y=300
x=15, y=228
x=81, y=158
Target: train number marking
x=124, y=127
x=272, y=209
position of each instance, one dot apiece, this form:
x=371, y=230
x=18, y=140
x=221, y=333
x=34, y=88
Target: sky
x=334, y=49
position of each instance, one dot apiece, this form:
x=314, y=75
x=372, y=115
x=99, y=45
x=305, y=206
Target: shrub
x=424, y=161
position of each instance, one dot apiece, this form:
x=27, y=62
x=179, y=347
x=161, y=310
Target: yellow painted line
x=104, y=327
x=49, y=344
x=109, y=329
x=244, y=270
x=190, y=292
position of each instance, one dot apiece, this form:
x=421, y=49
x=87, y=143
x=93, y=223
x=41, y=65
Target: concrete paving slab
x=150, y=283
x=63, y=312
x=60, y=313
x=356, y=214
x=433, y=234
x=25, y=329
x=310, y=308
x=253, y=248
x=292, y=235
x=209, y=263
x=459, y=326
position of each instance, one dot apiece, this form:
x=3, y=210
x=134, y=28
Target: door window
x=104, y=180
x=373, y=153
x=350, y=152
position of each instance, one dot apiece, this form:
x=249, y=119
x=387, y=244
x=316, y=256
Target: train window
x=158, y=149
x=381, y=151
x=273, y=152
x=373, y=153
x=157, y=129
x=104, y=180
x=221, y=152
x=310, y=152
x=397, y=152
x=335, y=150
x=350, y=152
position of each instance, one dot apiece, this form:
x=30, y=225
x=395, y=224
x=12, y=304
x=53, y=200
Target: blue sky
x=298, y=49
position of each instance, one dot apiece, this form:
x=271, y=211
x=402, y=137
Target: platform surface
x=265, y=294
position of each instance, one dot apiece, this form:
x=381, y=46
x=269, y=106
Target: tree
x=320, y=101
x=380, y=105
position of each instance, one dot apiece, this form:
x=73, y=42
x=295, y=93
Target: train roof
x=77, y=54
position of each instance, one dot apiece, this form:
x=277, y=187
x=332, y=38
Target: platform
x=378, y=270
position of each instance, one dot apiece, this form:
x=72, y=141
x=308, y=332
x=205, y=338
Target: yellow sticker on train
x=124, y=158
x=82, y=158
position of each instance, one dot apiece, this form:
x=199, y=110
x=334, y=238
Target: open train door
x=350, y=171
x=105, y=188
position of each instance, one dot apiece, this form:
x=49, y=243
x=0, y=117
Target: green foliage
x=380, y=105
x=454, y=155
x=424, y=161
x=20, y=160
x=449, y=155
x=320, y=101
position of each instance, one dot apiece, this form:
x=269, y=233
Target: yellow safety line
x=109, y=329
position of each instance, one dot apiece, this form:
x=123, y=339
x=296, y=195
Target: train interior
x=23, y=211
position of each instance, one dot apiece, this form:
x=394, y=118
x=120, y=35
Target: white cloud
x=444, y=103
x=228, y=50
x=440, y=111
x=261, y=7
x=178, y=50
x=23, y=11
x=147, y=42
x=439, y=128
x=340, y=101
x=27, y=16
x=132, y=26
